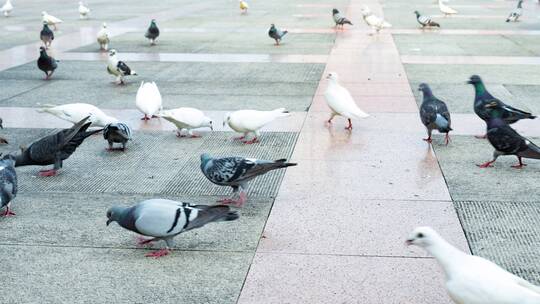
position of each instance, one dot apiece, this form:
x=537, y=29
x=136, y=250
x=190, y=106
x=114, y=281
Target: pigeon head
x=226, y=118
x=205, y=158
x=115, y=214
x=474, y=79
x=44, y=13
x=333, y=76
x=424, y=87
x=104, y=25
x=365, y=11
x=9, y=157
x=272, y=26
x=422, y=237
x=112, y=52
x=207, y=122
x=335, y=11
x=153, y=21
x=416, y=13
x=42, y=50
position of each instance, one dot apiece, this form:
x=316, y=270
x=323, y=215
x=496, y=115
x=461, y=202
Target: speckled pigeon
x=236, y=172
x=434, y=114
x=164, y=219
x=152, y=32
x=425, y=20
x=46, y=35
x=506, y=140
x=516, y=12
x=482, y=97
x=276, y=33
x=117, y=133
x=8, y=183
x=46, y=63
x=340, y=19
x=55, y=148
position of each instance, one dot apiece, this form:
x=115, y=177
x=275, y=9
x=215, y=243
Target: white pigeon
x=50, y=19
x=186, y=119
x=75, y=112
x=148, y=100
x=118, y=68
x=472, y=279
x=83, y=10
x=373, y=21
x=7, y=8
x=251, y=121
x=341, y=102
x=103, y=37
x=243, y=6
x=445, y=9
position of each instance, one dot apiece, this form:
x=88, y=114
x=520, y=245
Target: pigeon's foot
x=520, y=165
x=239, y=138
x=447, y=139
x=159, y=253
x=481, y=136
x=145, y=118
x=115, y=149
x=179, y=135
x=249, y=142
x=226, y=201
x=486, y=164
x=47, y=173
x=242, y=200
x=429, y=140
x=8, y=212
x=195, y=136
x=349, y=127
x=141, y=241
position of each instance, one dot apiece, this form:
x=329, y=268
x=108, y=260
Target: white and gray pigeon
x=425, y=20
x=50, y=19
x=118, y=68
x=46, y=35
x=164, y=219
x=8, y=183
x=516, y=13
x=117, y=132
x=236, y=172
x=473, y=279
x=434, y=114
x=84, y=11
x=46, y=63
x=339, y=19
x=276, y=33
x=373, y=21
x=103, y=37
x=152, y=33
x=7, y=8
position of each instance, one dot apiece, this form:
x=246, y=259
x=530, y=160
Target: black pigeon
x=152, y=33
x=339, y=19
x=46, y=63
x=55, y=148
x=506, y=140
x=276, y=34
x=425, y=20
x=117, y=133
x=46, y=35
x=482, y=97
x=434, y=114
x=8, y=183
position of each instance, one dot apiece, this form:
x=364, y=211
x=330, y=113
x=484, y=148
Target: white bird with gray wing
x=373, y=21
x=50, y=19
x=118, y=68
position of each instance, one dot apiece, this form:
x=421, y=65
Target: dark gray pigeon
x=506, y=140
x=339, y=19
x=2, y=140
x=276, y=33
x=482, y=97
x=46, y=35
x=46, y=63
x=117, y=133
x=164, y=219
x=434, y=114
x=55, y=148
x=8, y=183
x=425, y=20
x=152, y=32
x=236, y=172
x=516, y=13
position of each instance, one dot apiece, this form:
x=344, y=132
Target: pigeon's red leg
x=429, y=140
x=249, y=142
x=242, y=200
x=349, y=127
x=240, y=138
x=447, y=139
x=46, y=173
x=144, y=241
x=7, y=212
x=159, y=253
x=226, y=201
x=520, y=165
x=486, y=164
x=145, y=118
x=481, y=136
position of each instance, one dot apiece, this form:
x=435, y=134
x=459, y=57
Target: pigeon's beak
x=468, y=82
x=328, y=76
x=224, y=123
x=109, y=221
x=211, y=127
x=408, y=242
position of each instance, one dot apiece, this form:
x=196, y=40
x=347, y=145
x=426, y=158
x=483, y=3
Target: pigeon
x=163, y=219
x=148, y=100
x=251, y=121
x=483, y=97
x=118, y=68
x=243, y=6
x=50, y=19
x=373, y=21
x=117, y=132
x=434, y=114
x=473, y=279
x=516, y=13
x=2, y=140
x=75, y=112
x=46, y=63
x=340, y=101
x=8, y=183
x=83, y=11
x=445, y=9
x=55, y=148
x=152, y=32
x=425, y=20
x=186, y=119
x=46, y=35
x=506, y=140
x=236, y=172
x=103, y=37
x=339, y=19
x=276, y=33
x=7, y=8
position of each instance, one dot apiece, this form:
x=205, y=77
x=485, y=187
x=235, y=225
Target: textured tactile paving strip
x=507, y=233
x=155, y=162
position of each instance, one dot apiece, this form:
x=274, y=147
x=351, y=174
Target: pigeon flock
x=470, y=279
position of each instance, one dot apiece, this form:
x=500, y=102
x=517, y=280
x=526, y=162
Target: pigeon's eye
x=420, y=235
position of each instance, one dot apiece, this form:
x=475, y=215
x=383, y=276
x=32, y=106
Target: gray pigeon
x=55, y=148
x=236, y=172
x=117, y=133
x=2, y=140
x=516, y=13
x=46, y=63
x=425, y=20
x=46, y=35
x=276, y=33
x=434, y=114
x=8, y=183
x=339, y=19
x=164, y=219
x=506, y=140
x=152, y=32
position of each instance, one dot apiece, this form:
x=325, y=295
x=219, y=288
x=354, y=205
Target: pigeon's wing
x=507, y=140
x=428, y=113
x=160, y=219
x=442, y=109
x=512, y=114
x=251, y=168
x=123, y=68
x=227, y=170
x=207, y=214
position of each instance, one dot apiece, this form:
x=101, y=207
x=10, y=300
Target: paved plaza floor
x=330, y=230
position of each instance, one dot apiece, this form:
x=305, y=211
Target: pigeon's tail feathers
x=386, y=24
x=358, y=114
x=442, y=123
x=217, y=213
x=284, y=33
x=433, y=23
x=533, y=151
x=282, y=163
x=281, y=112
x=45, y=108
